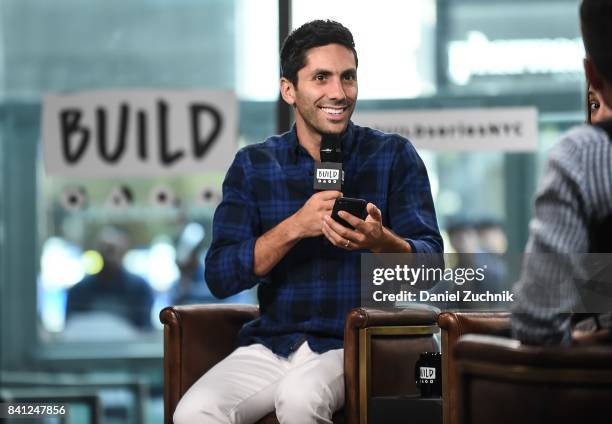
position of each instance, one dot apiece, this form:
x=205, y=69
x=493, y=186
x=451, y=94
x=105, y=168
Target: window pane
x=394, y=41
x=470, y=53
x=501, y=46
x=69, y=46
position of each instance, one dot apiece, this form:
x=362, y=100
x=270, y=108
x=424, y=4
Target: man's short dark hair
x=596, y=22
x=312, y=34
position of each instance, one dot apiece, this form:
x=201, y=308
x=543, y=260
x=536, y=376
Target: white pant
x=252, y=381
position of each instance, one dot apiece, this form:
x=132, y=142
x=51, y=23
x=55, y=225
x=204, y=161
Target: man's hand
x=591, y=337
x=272, y=246
x=368, y=234
x=309, y=219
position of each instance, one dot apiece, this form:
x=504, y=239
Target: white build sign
x=492, y=129
x=139, y=132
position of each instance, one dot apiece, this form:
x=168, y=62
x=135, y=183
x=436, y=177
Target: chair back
x=453, y=326
x=196, y=337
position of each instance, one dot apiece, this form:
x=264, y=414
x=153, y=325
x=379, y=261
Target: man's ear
x=592, y=74
x=287, y=90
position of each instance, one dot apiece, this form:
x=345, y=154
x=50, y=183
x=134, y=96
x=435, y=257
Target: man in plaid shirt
x=273, y=230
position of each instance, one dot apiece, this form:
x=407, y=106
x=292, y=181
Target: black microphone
x=331, y=148
x=328, y=173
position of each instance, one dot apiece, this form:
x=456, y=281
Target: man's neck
x=310, y=140
x=110, y=272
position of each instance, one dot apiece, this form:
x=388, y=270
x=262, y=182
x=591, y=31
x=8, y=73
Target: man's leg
x=313, y=389
x=239, y=389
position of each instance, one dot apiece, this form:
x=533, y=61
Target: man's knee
x=201, y=409
x=296, y=403
x=184, y=414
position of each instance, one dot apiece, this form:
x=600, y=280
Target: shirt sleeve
x=236, y=226
x=546, y=291
x=412, y=215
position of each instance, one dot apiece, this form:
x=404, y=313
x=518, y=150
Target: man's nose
x=336, y=89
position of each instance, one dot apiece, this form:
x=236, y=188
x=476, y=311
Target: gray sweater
x=574, y=196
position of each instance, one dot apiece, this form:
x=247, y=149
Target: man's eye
x=593, y=105
x=350, y=77
x=320, y=77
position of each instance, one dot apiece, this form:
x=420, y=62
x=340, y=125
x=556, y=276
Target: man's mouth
x=334, y=112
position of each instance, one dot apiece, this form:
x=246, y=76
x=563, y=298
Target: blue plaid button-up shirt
x=308, y=293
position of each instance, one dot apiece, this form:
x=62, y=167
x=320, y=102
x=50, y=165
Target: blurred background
x=102, y=341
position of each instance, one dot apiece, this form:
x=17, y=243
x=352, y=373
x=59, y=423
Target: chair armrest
x=380, y=340
x=507, y=353
x=196, y=337
x=455, y=324
x=368, y=317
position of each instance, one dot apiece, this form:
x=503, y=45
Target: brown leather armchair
x=505, y=382
x=375, y=343
x=453, y=326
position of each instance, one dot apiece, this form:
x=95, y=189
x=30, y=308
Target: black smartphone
x=356, y=207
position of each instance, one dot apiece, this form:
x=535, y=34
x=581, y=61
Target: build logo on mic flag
x=331, y=175
x=328, y=176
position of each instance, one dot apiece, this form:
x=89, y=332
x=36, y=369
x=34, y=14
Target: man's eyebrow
x=321, y=71
x=328, y=72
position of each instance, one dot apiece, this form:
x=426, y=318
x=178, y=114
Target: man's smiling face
x=326, y=91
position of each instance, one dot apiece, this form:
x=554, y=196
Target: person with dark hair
x=597, y=109
x=573, y=209
x=315, y=34
x=273, y=230
x=113, y=290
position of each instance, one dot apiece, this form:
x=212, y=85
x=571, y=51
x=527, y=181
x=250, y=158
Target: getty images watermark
x=451, y=281
x=405, y=274
x=480, y=281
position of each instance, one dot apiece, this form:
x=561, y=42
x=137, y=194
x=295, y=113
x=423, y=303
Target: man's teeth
x=332, y=111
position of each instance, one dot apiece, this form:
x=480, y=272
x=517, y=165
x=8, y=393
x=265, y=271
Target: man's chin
x=335, y=128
